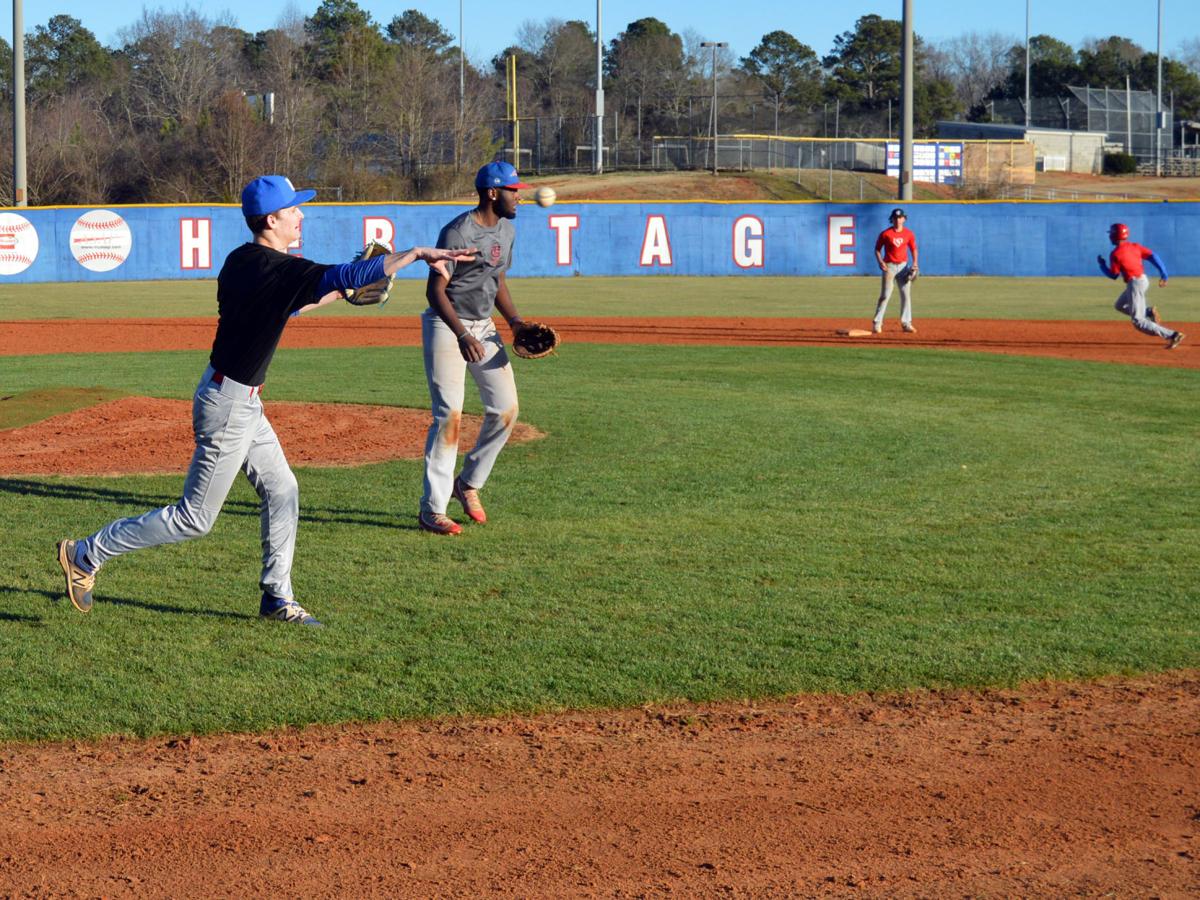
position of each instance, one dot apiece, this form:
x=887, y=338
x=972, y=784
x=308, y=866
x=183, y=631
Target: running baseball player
x=259, y=288
x=459, y=336
x=891, y=252
x=1125, y=261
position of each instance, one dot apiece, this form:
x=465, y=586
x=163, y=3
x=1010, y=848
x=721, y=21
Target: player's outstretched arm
x=435, y=256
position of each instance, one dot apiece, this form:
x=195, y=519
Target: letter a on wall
x=656, y=244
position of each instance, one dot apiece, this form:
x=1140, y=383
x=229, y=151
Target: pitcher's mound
x=142, y=435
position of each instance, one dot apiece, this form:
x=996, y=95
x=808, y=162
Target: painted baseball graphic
x=100, y=240
x=18, y=243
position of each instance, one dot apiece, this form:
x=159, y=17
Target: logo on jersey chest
x=494, y=254
x=896, y=242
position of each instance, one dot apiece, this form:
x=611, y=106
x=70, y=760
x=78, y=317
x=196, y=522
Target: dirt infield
x=148, y=436
x=1053, y=790
x=1048, y=790
x=1098, y=341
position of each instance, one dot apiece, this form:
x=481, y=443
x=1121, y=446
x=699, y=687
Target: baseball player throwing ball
x=458, y=336
x=1125, y=261
x=891, y=252
x=259, y=288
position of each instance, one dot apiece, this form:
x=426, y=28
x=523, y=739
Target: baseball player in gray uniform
x=459, y=336
x=259, y=288
x=891, y=252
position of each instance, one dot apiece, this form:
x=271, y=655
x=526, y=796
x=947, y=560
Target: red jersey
x=895, y=244
x=1126, y=259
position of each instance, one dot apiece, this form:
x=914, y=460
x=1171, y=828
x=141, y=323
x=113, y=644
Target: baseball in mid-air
x=545, y=196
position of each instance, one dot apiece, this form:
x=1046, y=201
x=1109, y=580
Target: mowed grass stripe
x=699, y=523
x=664, y=295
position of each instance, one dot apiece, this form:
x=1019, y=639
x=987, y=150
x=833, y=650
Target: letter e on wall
x=841, y=241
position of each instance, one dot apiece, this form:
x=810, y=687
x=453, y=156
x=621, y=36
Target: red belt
x=218, y=378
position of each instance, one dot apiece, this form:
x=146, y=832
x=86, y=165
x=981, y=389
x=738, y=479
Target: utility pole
x=462, y=93
x=20, y=188
x=714, y=45
x=1028, y=118
x=1158, y=111
x=598, y=140
x=906, y=104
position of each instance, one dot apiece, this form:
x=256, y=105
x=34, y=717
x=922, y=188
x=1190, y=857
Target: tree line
x=176, y=112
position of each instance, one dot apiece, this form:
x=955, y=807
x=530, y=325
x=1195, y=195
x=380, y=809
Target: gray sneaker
x=79, y=582
x=286, y=611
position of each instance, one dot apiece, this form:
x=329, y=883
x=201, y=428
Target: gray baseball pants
x=1132, y=303
x=445, y=370
x=232, y=435
x=895, y=273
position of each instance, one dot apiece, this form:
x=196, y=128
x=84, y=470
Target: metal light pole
x=714, y=45
x=1158, y=111
x=906, y=104
x=462, y=84
x=462, y=93
x=20, y=192
x=1027, y=101
x=598, y=140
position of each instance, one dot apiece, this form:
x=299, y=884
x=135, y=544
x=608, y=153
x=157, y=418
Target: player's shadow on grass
x=59, y=597
x=314, y=514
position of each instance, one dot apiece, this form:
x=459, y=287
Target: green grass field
x=969, y=298
x=698, y=523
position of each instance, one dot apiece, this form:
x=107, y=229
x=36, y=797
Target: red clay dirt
x=1051, y=790
x=1047, y=790
x=147, y=435
x=1114, y=341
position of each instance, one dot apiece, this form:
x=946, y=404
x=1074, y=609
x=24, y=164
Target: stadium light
x=714, y=45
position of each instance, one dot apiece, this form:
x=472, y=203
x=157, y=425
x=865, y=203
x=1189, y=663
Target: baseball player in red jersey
x=891, y=252
x=1125, y=261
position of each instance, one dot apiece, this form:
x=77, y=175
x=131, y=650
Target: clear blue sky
x=490, y=26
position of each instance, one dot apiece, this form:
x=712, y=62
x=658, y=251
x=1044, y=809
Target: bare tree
x=175, y=66
x=1189, y=54
x=974, y=63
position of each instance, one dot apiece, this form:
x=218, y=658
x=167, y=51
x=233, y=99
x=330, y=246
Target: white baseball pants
x=895, y=273
x=445, y=370
x=232, y=435
x=1132, y=303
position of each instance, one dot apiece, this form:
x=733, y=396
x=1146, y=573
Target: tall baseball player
x=891, y=252
x=259, y=288
x=1125, y=261
x=458, y=336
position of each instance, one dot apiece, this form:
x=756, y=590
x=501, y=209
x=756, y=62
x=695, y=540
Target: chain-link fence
x=1127, y=118
x=633, y=137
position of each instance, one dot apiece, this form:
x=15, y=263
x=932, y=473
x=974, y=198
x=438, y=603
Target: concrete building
x=1057, y=150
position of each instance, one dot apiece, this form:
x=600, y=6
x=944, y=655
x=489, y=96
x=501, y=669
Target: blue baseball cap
x=498, y=174
x=271, y=193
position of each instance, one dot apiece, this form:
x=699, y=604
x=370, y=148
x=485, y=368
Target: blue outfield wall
x=123, y=243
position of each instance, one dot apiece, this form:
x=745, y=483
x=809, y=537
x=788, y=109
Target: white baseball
x=100, y=240
x=545, y=196
x=18, y=243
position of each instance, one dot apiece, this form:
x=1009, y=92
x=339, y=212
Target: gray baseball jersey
x=473, y=285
